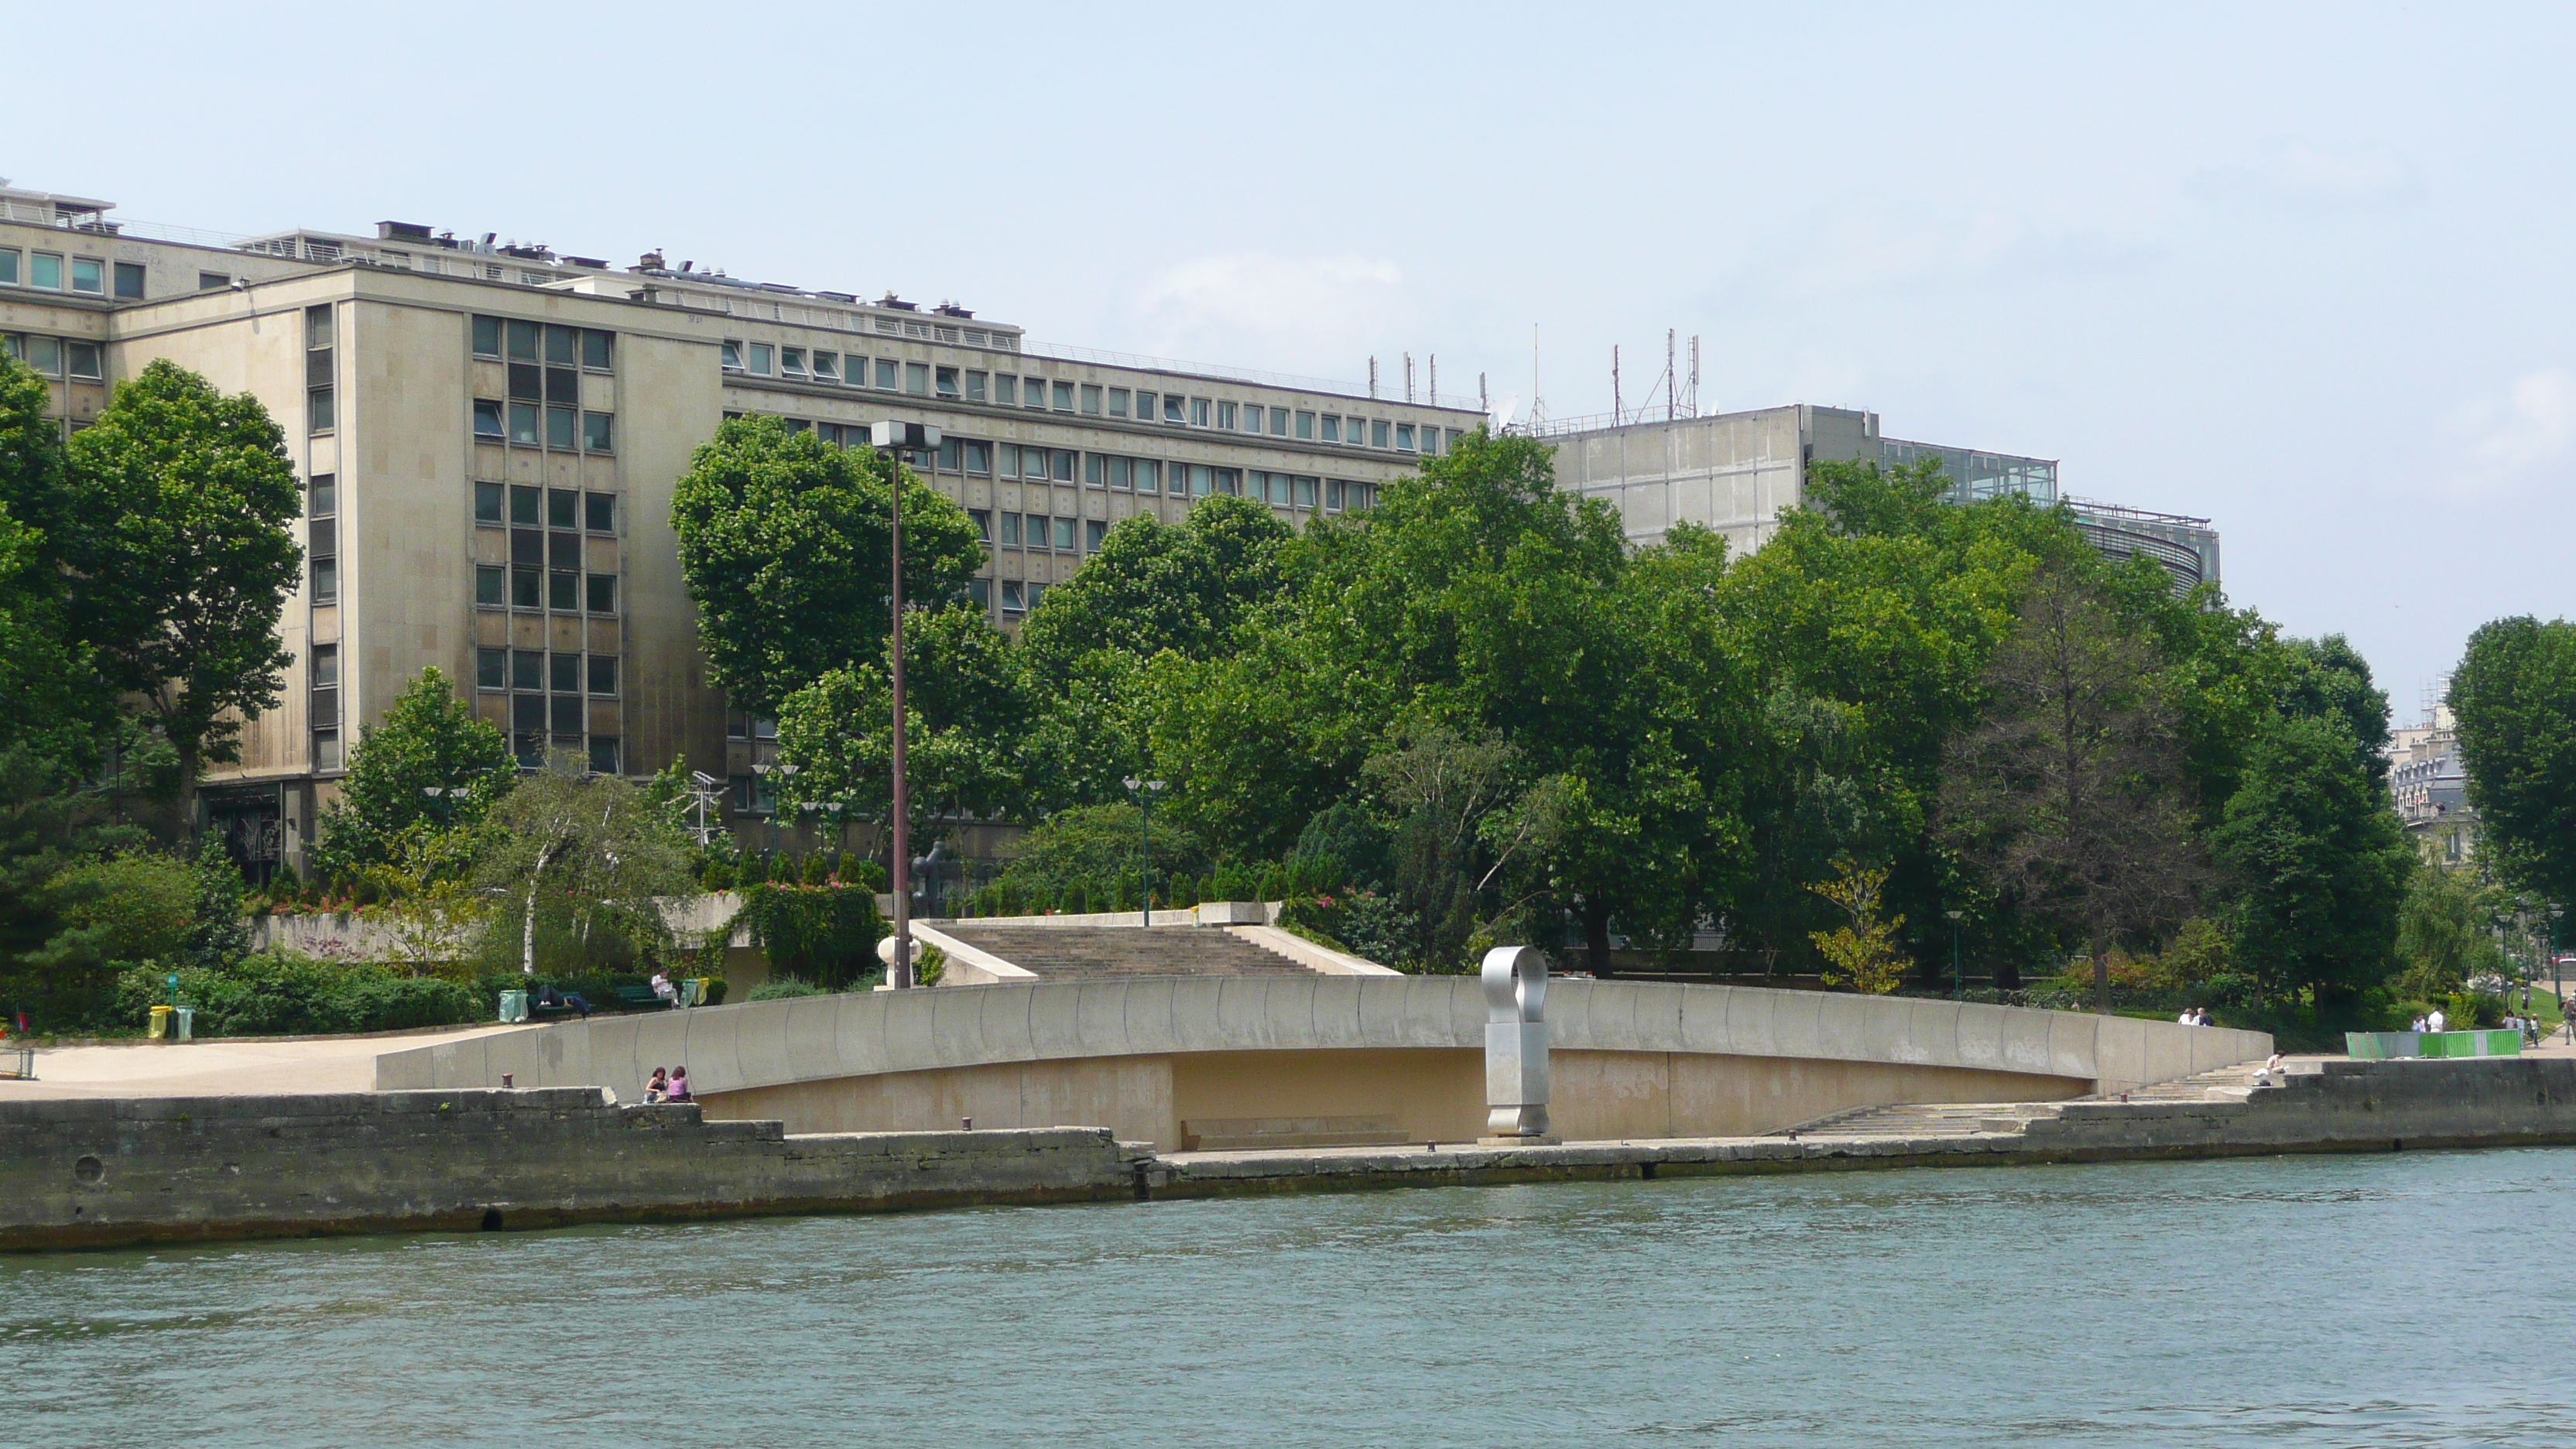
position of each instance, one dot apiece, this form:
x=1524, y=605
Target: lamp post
x=2557, y=987
x=703, y=791
x=893, y=438
x=1958, y=983
x=444, y=797
x=1145, y=791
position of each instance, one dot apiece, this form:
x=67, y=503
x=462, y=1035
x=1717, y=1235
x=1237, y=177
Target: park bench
x=641, y=998
x=558, y=1007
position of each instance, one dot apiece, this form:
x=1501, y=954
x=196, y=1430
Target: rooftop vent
x=596, y=264
x=897, y=303
x=410, y=231
x=951, y=309
x=650, y=262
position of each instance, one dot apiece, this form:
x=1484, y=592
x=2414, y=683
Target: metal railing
x=1253, y=376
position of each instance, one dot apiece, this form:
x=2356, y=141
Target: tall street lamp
x=1145, y=791
x=894, y=439
x=1958, y=983
x=2557, y=986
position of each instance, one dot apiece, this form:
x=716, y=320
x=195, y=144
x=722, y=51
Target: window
x=9, y=269
x=1037, y=594
x=568, y=713
x=597, y=433
x=527, y=591
x=1091, y=399
x=731, y=357
x=981, y=591
x=1006, y=391
x=952, y=452
x=1117, y=403
x=326, y=580
x=791, y=362
x=1332, y=429
x=487, y=333
x=1430, y=440
x=1122, y=471
x=1093, y=531
x=595, y=350
x=827, y=367
x=1229, y=481
x=491, y=585
x=525, y=505
x=563, y=672
x=916, y=378
x=323, y=495
x=319, y=414
x=523, y=423
x=603, y=674
x=562, y=506
x=886, y=373
x=1377, y=434
x=600, y=512
x=129, y=281
x=603, y=754
x=89, y=275
x=45, y=355
x=491, y=669
x=523, y=341
x=1033, y=462
x=1033, y=392
x=206, y=281
x=1304, y=497
x=761, y=357
x=563, y=593
x=1149, y=475
x=1011, y=529
x=527, y=382
x=1062, y=458
x=1404, y=437
x=948, y=382
x=1095, y=469
x=487, y=502
x=1014, y=597
x=326, y=666
x=326, y=749
x=1064, y=533
x=1225, y=415
x=44, y=269
x=562, y=426
x=527, y=669
x=1333, y=493
x=1279, y=422
x=979, y=457
x=1306, y=426
x=1199, y=412
x=84, y=361
x=983, y=523
x=1064, y=397
x=1198, y=487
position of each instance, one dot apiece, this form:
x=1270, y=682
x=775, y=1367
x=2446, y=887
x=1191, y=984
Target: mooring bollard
x=1515, y=1046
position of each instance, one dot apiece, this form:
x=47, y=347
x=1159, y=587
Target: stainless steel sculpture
x=1516, y=1045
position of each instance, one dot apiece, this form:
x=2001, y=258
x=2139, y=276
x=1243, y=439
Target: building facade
x=1735, y=472
x=2431, y=788
x=489, y=437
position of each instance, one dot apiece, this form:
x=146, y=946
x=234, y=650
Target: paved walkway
x=221, y=1068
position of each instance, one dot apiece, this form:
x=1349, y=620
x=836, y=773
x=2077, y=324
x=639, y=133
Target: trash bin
x=187, y=1023
x=693, y=990
x=514, y=1006
x=160, y=1027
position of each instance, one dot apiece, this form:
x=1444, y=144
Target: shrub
x=783, y=987
x=275, y=993
x=827, y=934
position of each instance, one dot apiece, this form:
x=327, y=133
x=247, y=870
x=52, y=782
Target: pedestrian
x=679, y=1088
x=2418, y=1027
x=2437, y=1022
x=659, y=1087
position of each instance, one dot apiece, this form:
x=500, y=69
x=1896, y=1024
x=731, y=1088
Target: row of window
x=550, y=343
x=55, y=356
x=321, y=402
x=58, y=272
x=533, y=507
x=534, y=586
x=921, y=379
x=322, y=570
x=562, y=428
x=534, y=671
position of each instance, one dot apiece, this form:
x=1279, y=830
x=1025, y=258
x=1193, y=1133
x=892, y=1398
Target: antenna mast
x=1372, y=377
x=1672, y=405
x=1693, y=397
x=1618, y=404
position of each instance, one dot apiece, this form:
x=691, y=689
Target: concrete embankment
x=97, y=1173
x=100, y=1173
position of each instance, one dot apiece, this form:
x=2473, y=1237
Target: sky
x=2302, y=271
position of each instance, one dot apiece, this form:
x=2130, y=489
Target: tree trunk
x=1596, y=937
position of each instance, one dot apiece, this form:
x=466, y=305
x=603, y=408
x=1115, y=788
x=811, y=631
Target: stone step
x=1073, y=953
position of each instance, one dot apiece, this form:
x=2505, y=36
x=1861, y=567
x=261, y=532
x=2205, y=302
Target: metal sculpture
x=1516, y=1044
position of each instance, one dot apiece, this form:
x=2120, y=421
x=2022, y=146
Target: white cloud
x=2308, y=176
x=2529, y=429
x=1305, y=312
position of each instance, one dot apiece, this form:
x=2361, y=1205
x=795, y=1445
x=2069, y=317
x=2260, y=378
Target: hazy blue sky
x=2304, y=271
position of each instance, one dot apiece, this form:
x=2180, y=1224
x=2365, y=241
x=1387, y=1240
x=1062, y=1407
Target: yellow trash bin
x=160, y=1028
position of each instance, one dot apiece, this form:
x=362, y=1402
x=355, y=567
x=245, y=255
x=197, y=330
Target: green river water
x=2418, y=1298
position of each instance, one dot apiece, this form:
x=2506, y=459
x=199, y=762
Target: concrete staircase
x=1079, y=953
x=1963, y=1119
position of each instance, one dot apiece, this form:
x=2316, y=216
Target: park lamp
x=896, y=437
x=1145, y=791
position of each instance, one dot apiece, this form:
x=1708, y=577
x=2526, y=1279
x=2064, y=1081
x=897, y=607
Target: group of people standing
x=670, y=1086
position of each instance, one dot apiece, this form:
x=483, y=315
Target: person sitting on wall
x=2269, y=1074
x=659, y=1088
x=679, y=1087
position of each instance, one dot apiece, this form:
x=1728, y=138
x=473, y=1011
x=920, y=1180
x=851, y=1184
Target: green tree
x=786, y=543
x=581, y=858
x=1862, y=952
x=2068, y=793
x=1154, y=586
x=2446, y=932
x=2320, y=860
x=2514, y=696
x=429, y=741
x=50, y=695
x=183, y=555
x=1093, y=846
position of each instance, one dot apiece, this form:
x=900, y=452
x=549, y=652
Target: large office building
x=1735, y=472
x=489, y=435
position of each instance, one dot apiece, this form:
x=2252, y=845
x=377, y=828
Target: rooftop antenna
x=1618, y=404
x=1538, y=400
x=1672, y=384
x=1435, y=379
x=1408, y=377
x=1483, y=404
x=1691, y=398
x=1372, y=377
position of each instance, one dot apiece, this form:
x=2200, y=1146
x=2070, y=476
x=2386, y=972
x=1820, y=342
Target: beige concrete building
x=489, y=435
x=1735, y=472
x=2430, y=786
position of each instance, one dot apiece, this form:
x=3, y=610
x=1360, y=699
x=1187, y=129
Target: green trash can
x=187, y=1022
x=514, y=1006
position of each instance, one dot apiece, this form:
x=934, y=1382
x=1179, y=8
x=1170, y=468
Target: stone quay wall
x=105, y=1172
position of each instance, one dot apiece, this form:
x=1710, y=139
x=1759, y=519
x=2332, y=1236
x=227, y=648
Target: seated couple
x=670, y=1086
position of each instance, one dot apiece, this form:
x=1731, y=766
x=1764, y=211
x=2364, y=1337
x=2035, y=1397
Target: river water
x=2421, y=1298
